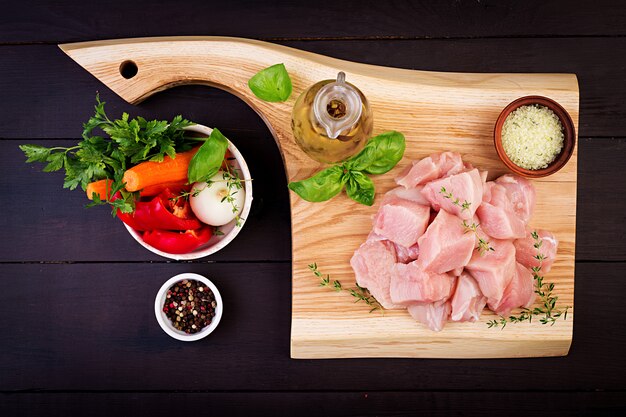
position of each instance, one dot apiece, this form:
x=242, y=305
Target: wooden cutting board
x=436, y=111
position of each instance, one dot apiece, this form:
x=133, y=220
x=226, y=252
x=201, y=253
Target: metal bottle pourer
x=341, y=94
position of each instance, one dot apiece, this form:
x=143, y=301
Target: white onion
x=207, y=203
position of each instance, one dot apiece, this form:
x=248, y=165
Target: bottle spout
x=337, y=107
x=333, y=133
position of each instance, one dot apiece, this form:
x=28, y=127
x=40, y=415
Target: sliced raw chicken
x=402, y=221
x=430, y=168
x=493, y=270
x=450, y=163
x=411, y=194
x=519, y=293
x=372, y=264
x=526, y=251
x=434, y=315
x=410, y=284
x=468, y=301
x=459, y=194
x=457, y=271
x=422, y=254
x=403, y=254
x=497, y=216
x=406, y=255
x=521, y=193
x=445, y=245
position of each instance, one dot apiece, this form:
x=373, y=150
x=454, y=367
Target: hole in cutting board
x=128, y=69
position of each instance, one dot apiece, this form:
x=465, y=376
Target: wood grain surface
x=435, y=111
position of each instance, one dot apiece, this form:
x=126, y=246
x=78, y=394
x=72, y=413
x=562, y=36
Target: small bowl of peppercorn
x=188, y=307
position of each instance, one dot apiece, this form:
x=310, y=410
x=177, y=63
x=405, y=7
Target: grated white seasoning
x=532, y=136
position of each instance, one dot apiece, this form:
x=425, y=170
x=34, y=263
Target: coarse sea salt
x=532, y=136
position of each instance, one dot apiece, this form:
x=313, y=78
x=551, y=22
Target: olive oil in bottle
x=332, y=120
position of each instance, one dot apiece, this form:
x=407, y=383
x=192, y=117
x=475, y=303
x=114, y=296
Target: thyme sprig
x=234, y=184
x=548, y=311
x=465, y=205
x=483, y=245
x=359, y=293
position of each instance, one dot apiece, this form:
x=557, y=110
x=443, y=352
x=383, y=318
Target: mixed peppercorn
x=190, y=306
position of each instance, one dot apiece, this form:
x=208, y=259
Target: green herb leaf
x=360, y=188
x=380, y=155
x=96, y=157
x=207, y=161
x=320, y=187
x=359, y=293
x=55, y=162
x=271, y=84
x=35, y=153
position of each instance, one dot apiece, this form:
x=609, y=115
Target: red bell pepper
x=178, y=242
x=164, y=211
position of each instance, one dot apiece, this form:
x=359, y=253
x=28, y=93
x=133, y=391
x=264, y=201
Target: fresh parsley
x=96, y=157
x=379, y=156
x=271, y=84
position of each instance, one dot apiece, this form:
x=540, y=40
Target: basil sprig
x=271, y=84
x=208, y=160
x=379, y=156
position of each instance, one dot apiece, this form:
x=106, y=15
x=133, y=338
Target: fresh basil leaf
x=208, y=160
x=380, y=155
x=360, y=188
x=271, y=84
x=320, y=187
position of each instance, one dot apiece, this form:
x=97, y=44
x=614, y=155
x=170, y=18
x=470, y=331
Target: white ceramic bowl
x=230, y=230
x=165, y=322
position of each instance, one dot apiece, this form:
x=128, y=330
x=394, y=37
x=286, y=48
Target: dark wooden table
x=76, y=306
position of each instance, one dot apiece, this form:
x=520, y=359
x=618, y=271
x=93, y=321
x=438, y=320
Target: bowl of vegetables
x=184, y=220
x=183, y=190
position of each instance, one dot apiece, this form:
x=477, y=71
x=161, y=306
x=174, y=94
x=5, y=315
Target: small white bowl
x=165, y=322
x=230, y=230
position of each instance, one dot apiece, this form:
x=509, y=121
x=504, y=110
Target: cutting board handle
x=137, y=68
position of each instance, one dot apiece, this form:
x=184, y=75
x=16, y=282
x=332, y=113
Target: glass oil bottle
x=332, y=120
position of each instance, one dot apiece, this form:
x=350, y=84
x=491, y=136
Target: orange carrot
x=151, y=173
x=101, y=188
x=156, y=189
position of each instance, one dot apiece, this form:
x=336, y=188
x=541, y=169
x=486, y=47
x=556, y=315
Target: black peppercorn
x=185, y=301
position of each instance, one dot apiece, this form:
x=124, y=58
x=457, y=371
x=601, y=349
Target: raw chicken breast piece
x=450, y=163
x=403, y=254
x=406, y=255
x=457, y=271
x=445, y=245
x=464, y=188
x=372, y=263
x=410, y=284
x=433, y=315
x=413, y=194
x=419, y=172
x=521, y=193
x=519, y=293
x=497, y=216
x=402, y=221
x=430, y=168
x=526, y=251
x=493, y=270
x=468, y=301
